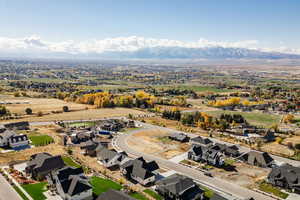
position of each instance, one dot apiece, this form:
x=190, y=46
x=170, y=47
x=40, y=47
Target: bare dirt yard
x=277, y=149
x=243, y=175
x=155, y=141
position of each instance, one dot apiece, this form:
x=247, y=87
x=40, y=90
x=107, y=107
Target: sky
x=268, y=24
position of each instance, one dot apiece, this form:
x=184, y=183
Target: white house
x=13, y=140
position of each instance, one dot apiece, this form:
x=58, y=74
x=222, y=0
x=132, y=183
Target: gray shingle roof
x=114, y=195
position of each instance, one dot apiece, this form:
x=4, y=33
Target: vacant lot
x=255, y=118
x=155, y=141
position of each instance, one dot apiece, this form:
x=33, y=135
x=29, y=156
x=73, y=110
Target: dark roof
x=176, y=184
x=16, y=124
x=66, y=172
x=179, y=136
x=18, y=138
x=45, y=162
x=106, y=154
x=140, y=168
x=75, y=185
x=201, y=140
x=261, y=158
x=217, y=197
x=114, y=195
x=288, y=172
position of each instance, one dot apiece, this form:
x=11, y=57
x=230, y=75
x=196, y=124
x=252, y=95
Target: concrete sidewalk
x=7, y=191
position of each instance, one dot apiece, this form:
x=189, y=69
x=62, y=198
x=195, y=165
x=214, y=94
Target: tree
x=40, y=114
x=65, y=108
x=3, y=111
x=28, y=111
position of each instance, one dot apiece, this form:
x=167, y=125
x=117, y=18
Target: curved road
x=227, y=188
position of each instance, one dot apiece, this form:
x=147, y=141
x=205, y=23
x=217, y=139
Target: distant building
x=180, y=137
x=179, y=187
x=17, y=126
x=201, y=141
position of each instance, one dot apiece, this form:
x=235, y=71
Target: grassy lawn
x=70, y=162
x=138, y=196
x=255, y=118
x=41, y=140
x=36, y=190
x=153, y=194
x=229, y=161
x=101, y=185
x=20, y=193
x=273, y=190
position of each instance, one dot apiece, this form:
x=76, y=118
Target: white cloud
x=35, y=43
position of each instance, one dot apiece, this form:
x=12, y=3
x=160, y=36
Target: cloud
x=34, y=43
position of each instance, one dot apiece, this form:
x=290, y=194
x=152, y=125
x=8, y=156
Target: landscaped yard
x=41, y=140
x=255, y=118
x=273, y=190
x=101, y=185
x=79, y=124
x=20, y=193
x=138, y=196
x=70, y=162
x=153, y=194
x=36, y=190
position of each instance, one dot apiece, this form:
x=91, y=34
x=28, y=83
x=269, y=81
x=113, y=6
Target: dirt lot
x=156, y=142
x=277, y=149
x=243, y=175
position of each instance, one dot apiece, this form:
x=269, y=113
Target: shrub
x=66, y=109
x=40, y=114
x=28, y=111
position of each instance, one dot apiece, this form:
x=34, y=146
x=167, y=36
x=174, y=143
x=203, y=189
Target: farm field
x=44, y=105
x=83, y=115
x=255, y=118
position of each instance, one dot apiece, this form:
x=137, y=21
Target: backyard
x=36, y=190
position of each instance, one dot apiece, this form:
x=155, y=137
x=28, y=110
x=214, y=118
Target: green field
x=101, y=185
x=36, y=190
x=196, y=88
x=273, y=190
x=138, y=196
x=70, y=162
x=255, y=118
x=41, y=140
x=153, y=194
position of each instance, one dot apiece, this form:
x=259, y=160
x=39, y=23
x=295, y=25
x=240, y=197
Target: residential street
x=7, y=192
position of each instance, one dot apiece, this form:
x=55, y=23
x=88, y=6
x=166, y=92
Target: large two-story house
x=201, y=153
x=285, y=176
x=140, y=170
x=179, y=187
x=41, y=164
x=111, y=158
x=257, y=158
x=10, y=139
x=70, y=183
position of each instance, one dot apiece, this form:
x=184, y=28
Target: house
x=111, y=158
x=17, y=126
x=71, y=184
x=211, y=156
x=82, y=136
x=42, y=164
x=232, y=151
x=91, y=148
x=114, y=194
x=179, y=187
x=285, y=176
x=13, y=140
x=180, y=137
x=201, y=141
x=140, y=170
x=219, y=197
x=257, y=158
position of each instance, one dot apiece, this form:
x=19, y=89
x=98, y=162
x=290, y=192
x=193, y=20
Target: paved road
x=7, y=192
x=227, y=188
